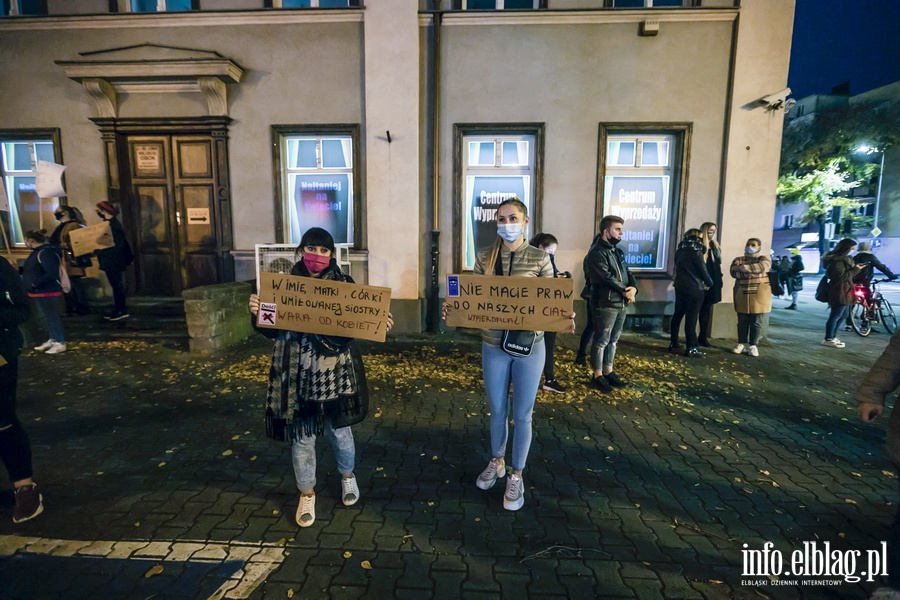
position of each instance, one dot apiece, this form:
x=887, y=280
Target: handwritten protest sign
x=518, y=303
x=87, y=239
x=323, y=306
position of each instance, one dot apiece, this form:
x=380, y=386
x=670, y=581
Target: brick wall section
x=217, y=315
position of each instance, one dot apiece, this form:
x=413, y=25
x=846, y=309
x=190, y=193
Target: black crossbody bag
x=514, y=343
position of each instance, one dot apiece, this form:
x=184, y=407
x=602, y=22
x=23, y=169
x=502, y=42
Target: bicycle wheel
x=859, y=320
x=888, y=319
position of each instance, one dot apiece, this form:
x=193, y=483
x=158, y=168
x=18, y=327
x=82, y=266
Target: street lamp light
x=866, y=149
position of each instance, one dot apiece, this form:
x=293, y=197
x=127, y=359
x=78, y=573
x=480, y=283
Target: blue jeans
x=303, y=455
x=48, y=306
x=608, y=323
x=500, y=369
x=835, y=318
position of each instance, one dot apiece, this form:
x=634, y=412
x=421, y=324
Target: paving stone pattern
x=150, y=456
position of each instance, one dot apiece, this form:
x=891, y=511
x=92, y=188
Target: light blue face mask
x=510, y=232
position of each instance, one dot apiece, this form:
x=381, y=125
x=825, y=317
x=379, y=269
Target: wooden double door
x=176, y=210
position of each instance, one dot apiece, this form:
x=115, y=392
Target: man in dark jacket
x=113, y=261
x=881, y=380
x=613, y=287
x=865, y=257
x=15, y=448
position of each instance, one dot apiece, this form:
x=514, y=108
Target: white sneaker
x=739, y=349
x=57, y=348
x=886, y=593
x=514, y=497
x=306, y=511
x=753, y=351
x=45, y=346
x=349, y=490
x=833, y=343
x=495, y=470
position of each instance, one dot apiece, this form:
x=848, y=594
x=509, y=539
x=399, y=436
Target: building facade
x=398, y=126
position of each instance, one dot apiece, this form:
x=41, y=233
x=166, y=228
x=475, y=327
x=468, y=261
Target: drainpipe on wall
x=433, y=310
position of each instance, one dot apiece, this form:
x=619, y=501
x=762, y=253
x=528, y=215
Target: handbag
x=822, y=289
x=775, y=283
x=514, y=342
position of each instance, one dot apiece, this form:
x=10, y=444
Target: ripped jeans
x=303, y=455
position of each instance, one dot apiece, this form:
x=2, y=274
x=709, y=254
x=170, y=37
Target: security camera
x=789, y=104
x=776, y=100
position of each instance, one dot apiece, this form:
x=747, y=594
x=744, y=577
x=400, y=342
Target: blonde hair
x=707, y=241
x=490, y=262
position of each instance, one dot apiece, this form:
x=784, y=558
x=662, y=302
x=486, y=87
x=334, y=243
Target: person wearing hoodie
x=870, y=262
x=752, y=295
x=692, y=280
x=613, y=288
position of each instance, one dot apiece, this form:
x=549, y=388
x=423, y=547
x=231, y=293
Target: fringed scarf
x=308, y=389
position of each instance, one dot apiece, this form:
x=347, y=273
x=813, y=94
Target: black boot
x=580, y=358
x=674, y=347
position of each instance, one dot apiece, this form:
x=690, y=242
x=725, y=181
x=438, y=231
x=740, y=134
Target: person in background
x=76, y=300
x=713, y=259
x=870, y=262
x=839, y=271
x=752, y=295
x=317, y=385
x=40, y=274
x=113, y=261
x=871, y=395
x=783, y=266
x=548, y=243
x=795, y=278
x=691, y=284
x=613, y=288
x=588, y=332
x=15, y=447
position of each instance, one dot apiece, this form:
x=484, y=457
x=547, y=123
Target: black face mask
x=58, y=216
x=101, y=215
x=614, y=241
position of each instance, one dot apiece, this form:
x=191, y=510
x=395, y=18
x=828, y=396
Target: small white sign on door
x=198, y=216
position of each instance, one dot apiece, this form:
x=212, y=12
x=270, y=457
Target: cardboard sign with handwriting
x=518, y=303
x=87, y=239
x=323, y=306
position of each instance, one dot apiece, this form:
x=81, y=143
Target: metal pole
x=433, y=310
x=878, y=193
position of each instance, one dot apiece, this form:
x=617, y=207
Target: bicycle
x=869, y=308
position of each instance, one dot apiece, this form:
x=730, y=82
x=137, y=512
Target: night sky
x=837, y=40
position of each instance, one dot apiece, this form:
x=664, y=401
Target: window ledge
x=580, y=17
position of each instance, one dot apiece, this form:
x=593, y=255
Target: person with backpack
x=40, y=274
x=836, y=288
x=69, y=220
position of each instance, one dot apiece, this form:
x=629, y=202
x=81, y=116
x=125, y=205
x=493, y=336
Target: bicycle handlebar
x=882, y=280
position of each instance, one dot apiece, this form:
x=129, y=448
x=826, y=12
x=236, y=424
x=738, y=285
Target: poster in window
x=321, y=201
x=483, y=195
x=644, y=204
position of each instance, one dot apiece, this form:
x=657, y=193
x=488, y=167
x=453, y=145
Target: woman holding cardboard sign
x=511, y=357
x=317, y=385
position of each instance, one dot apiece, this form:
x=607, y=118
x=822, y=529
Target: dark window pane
x=295, y=3
x=518, y=4
x=657, y=3
x=30, y=7
x=143, y=5
x=333, y=154
x=5, y=7
x=44, y=152
x=481, y=4
x=178, y=4
x=332, y=3
x=21, y=157
x=629, y=3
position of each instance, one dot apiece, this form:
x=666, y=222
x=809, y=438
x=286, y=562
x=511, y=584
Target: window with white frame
x=650, y=3
x=315, y=3
x=502, y=4
x=20, y=207
x=162, y=5
x=494, y=168
x=317, y=185
x=12, y=8
x=637, y=186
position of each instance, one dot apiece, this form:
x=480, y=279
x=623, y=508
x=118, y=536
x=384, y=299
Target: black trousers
x=15, y=448
x=705, y=317
x=687, y=307
x=117, y=283
x=549, y=347
x=588, y=332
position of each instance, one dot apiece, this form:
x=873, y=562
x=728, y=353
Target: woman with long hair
x=691, y=283
x=511, y=255
x=69, y=220
x=839, y=271
x=712, y=256
x=317, y=385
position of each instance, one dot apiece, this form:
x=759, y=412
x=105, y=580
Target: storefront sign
x=322, y=201
x=483, y=195
x=644, y=204
x=321, y=306
x=518, y=303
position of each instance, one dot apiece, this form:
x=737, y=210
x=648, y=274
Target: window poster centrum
x=644, y=204
x=483, y=195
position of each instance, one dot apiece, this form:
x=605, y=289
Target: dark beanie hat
x=108, y=208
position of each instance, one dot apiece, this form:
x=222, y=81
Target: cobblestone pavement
x=159, y=481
